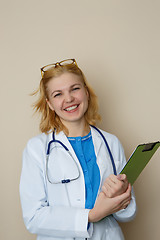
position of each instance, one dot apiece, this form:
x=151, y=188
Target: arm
x=117, y=185
x=126, y=214
x=129, y=213
x=106, y=206
x=39, y=217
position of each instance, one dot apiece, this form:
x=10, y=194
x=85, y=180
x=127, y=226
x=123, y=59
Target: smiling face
x=68, y=97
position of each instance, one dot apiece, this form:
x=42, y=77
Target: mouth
x=71, y=108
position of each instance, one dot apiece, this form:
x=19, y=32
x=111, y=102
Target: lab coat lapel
x=102, y=156
x=97, y=140
x=62, y=138
x=76, y=189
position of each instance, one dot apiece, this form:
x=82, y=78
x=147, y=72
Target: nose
x=68, y=97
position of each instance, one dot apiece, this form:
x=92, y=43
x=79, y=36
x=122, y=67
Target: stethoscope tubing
x=63, y=180
x=57, y=141
x=108, y=148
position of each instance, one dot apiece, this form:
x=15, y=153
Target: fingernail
x=119, y=176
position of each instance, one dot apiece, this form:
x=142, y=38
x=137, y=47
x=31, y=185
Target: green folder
x=138, y=160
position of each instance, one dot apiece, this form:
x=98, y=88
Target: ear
x=49, y=104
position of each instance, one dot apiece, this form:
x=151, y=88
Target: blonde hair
x=49, y=119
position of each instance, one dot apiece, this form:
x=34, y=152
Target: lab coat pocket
x=61, y=166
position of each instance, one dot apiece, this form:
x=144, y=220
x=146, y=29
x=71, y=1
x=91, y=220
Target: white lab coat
x=57, y=211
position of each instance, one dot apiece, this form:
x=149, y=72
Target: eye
x=75, y=88
x=57, y=95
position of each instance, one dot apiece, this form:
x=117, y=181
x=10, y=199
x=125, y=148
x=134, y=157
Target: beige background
x=117, y=45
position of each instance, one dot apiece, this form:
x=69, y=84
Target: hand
x=105, y=206
x=115, y=185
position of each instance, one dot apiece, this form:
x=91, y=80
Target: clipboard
x=138, y=160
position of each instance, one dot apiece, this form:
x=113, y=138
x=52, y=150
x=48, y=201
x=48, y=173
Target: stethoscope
x=67, y=150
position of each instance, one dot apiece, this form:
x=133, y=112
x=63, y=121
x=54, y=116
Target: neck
x=77, y=130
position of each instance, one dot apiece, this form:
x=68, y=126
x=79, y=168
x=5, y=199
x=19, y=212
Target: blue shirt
x=84, y=149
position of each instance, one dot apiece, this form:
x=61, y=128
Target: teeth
x=71, y=108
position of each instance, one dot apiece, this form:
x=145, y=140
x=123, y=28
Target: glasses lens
x=67, y=62
x=48, y=67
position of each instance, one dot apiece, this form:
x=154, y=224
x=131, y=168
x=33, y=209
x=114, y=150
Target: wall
x=116, y=43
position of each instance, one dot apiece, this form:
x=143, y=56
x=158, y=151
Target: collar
x=97, y=140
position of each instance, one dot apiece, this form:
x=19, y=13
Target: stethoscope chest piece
x=64, y=169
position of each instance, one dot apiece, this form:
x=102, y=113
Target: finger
x=126, y=201
x=123, y=205
x=105, y=190
x=108, y=190
x=129, y=188
x=126, y=204
x=114, y=179
x=122, y=177
x=115, y=189
x=112, y=188
x=126, y=195
x=110, y=182
x=119, y=182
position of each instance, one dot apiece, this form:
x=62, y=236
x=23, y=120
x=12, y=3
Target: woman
x=73, y=193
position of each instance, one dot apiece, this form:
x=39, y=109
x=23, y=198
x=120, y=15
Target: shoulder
x=116, y=150
x=39, y=139
x=112, y=140
x=37, y=143
x=35, y=151
x=109, y=136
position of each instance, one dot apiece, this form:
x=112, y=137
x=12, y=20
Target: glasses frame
x=61, y=63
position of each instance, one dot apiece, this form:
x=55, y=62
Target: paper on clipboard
x=138, y=160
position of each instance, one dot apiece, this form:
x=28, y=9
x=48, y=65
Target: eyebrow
x=58, y=91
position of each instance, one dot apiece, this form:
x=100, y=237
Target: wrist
x=94, y=216
x=91, y=216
